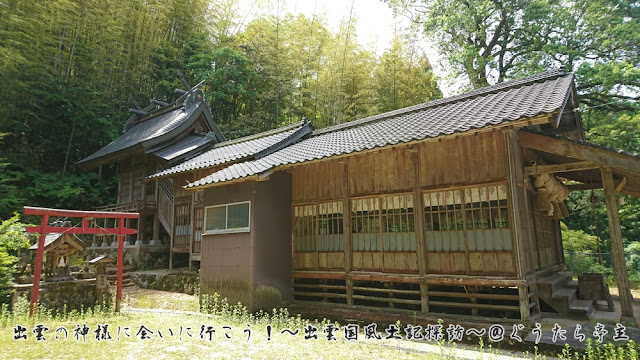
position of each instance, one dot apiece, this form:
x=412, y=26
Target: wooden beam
x=623, y=182
x=619, y=262
x=556, y=168
x=579, y=151
x=589, y=186
x=418, y=211
x=596, y=185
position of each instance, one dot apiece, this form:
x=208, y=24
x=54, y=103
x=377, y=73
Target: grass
x=280, y=346
x=155, y=299
x=180, y=326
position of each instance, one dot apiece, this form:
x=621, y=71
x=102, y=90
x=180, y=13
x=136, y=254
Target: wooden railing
x=129, y=206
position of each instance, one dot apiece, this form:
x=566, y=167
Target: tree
x=491, y=41
x=403, y=77
x=474, y=36
x=12, y=238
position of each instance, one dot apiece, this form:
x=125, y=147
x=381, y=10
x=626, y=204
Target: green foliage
x=278, y=318
x=578, y=240
x=12, y=238
x=492, y=41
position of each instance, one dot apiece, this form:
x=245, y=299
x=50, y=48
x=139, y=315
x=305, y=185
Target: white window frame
x=227, y=230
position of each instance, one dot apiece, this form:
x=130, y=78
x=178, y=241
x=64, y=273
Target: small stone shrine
x=102, y=282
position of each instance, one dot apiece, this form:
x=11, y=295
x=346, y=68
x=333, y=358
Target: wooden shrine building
x=439, y=207
x=451, y=206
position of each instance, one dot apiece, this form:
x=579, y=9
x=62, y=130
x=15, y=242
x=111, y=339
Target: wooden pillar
x=173, y=231
x=192, y=233
x=418, y=211
x=619, y=262
x=131, y=180
x=120, y=265
x=346, y=229
x=519, y=219
x=156, y=222
x=525, y=311
x=140, y=221
x=35, y=289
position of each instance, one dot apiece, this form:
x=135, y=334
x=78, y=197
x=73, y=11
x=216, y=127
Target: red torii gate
x=85, y=228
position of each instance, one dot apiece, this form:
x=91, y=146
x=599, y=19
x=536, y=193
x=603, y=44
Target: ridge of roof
x=529, y=80
x=226, y=149
x=174, y=105
x=261, y=134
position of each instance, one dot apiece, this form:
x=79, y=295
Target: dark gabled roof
x=539, y=94
x=156, y=127
x=254, y=146
x=183, y=149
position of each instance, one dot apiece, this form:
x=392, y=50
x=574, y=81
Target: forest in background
x=68, y=66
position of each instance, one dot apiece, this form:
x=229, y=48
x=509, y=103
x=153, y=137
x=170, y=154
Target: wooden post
x=120, y=260
x=156, y=222
x=525, y=312
x=192, y=233
x=346, y=229
x=619, y=263
x=35, y=289
x=173, y=233
x=418, y=211
x=519, y=223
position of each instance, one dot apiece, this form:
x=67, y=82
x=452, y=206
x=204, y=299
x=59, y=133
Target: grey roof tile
x=232, y=150
x=523, y=98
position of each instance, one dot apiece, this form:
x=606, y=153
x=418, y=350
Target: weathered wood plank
x=620, y=264
x=579, y=151
x=558, y=168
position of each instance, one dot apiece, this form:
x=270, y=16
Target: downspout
x=512, y=186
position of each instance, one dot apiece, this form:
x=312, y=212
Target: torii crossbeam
x=85, y=228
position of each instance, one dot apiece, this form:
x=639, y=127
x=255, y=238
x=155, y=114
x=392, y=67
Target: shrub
x=12, y=238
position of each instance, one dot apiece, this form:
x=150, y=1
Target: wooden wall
x=453, y=163
x=130, y=173
x=472, y=158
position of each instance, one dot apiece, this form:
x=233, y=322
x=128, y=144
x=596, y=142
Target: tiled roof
x=183, y=148
x=145, y=131
x=510, y=101
x=239, y=149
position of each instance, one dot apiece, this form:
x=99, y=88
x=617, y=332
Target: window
x=443, y=221
x=227, y=218
x=318, y=227
x=480, y=213
x=385, y=223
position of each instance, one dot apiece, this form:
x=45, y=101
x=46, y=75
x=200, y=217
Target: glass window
x=238, y=216
x=227, y=218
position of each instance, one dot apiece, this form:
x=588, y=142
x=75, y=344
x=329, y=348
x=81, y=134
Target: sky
x=375, y=18
x=375, y=23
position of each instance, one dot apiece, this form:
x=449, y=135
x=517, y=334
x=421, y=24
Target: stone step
x=568, y=293
x=582, y=308
x=572, y=284
x=555, y=281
